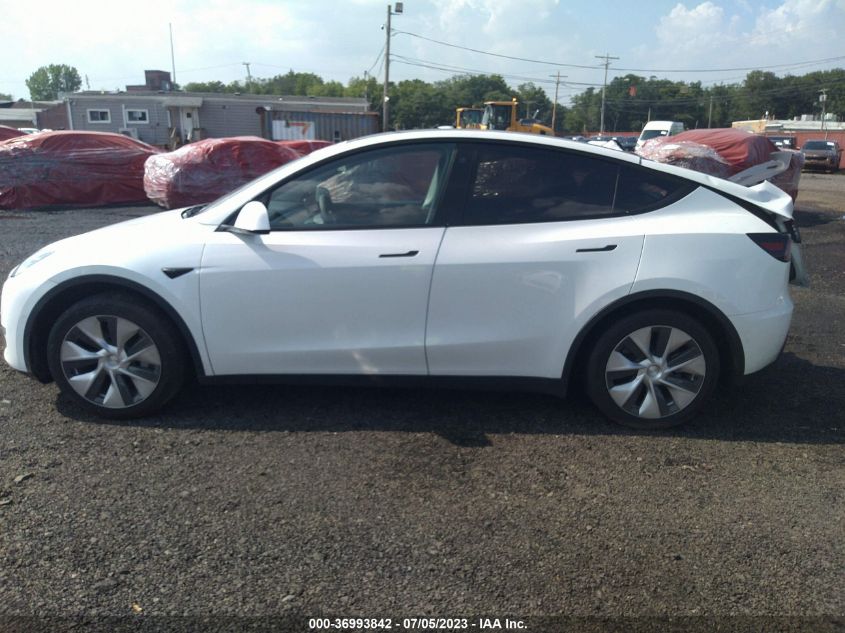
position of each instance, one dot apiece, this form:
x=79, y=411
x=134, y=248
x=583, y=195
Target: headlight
x=30, y=261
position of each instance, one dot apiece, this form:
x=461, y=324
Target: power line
x=734, y=94
x=378, y=58
x=719, y=70
x=475, y=50
x=413, y=61
x=642, y=70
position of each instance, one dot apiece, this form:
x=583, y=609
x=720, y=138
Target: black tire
x=128, y=379
x=650, y=402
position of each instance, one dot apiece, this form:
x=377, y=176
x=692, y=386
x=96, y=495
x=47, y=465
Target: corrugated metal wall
x=219, y=118
x=332, y=126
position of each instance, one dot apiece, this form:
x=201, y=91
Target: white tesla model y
x=443, y=257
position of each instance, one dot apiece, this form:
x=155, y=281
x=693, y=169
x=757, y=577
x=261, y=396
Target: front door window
x=378, y=189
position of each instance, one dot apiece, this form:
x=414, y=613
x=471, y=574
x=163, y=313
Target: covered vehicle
x=72, y=169
x=304, y=147
x=819, y=154
x=7, y=132
x=728, y=153
x=203, y=171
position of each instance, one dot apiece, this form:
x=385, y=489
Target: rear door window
x=514, y=184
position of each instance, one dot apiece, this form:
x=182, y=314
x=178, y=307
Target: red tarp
x=71, y=169
x=665, y=149
x=739, y=148
x=721, y=152
x=7, y=132
x=304, y=147
x=203, y=171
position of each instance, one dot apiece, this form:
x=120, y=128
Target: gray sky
x=111, y=43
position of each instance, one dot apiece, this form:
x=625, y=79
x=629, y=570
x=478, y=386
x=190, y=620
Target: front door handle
x=604, y=249
x=408, y=254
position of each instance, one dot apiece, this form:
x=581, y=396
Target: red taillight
x=777, y=245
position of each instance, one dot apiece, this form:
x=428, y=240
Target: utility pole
x=248, y=76
x=710, y=113
x=823, y=99
x=172, y=56
x=554, y=103
x=386, y=105
x=606, y=59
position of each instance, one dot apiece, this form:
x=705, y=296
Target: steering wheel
x=324, y=203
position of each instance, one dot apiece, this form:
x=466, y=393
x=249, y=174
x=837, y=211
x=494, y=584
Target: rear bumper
x=763, y=334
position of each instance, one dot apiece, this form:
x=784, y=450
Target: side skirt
x=550, y=386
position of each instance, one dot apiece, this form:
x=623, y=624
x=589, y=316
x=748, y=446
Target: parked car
x=820, y=154
x=604, y=141
x=431, y=256
x=7, y=132
x=783, y=141
x=71, y=169
x=203, y=171
x=627, y=143
x=656, y=129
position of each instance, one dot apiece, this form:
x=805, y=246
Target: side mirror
x=253, y=218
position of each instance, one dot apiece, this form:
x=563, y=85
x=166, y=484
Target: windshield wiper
x=192, y=211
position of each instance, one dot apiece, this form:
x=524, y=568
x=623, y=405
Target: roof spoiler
x=777, y=164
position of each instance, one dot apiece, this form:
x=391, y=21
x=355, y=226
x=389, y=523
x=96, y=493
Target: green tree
x=47, y=82
x=208, y=86
x=292, y=83
x=759, y=95
x=473, y=90
x=418, y=104
x=5, y=97
x=369, y=89
x=533, y=99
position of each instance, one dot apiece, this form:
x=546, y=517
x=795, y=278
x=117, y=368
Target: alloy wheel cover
x=110, y=361
x=655, y=372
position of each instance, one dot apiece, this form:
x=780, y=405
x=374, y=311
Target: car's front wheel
x=116, y=357
x=653, y=370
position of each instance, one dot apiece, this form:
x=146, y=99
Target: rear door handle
x=408, y=254
x=604, y=249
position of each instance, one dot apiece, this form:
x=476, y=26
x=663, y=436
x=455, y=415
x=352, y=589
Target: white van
x=654, y=129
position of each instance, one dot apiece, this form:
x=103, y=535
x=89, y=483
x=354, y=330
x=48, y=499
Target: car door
x=539, y=249
x=340, y=283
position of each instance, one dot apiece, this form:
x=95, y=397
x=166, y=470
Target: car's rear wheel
x=652, y=370
x=116, y=357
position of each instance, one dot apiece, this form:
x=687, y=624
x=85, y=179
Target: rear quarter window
x=640, y=189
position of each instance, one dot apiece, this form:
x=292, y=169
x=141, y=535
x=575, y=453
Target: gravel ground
x=293, y=502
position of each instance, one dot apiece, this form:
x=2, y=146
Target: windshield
x=818, y=145
x=647, y=134
x=497, y=117
x=471, y=118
